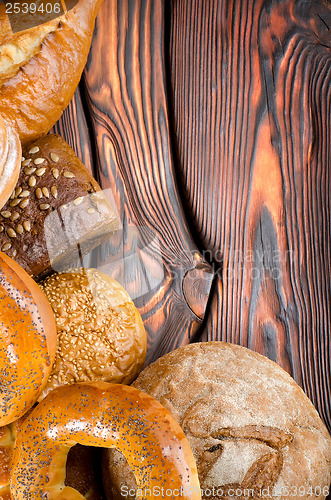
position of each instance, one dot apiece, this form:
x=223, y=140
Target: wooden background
x=211, y=123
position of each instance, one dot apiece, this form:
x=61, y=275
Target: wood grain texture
x=125, y=106
x=251, y=91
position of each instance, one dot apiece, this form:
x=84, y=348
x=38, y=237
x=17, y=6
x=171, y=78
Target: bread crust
x=105, y=415
x=56, y=208
x=101, y=335
x=10, y=160
x=33, y=99
x=251, y=427
x=28, y=340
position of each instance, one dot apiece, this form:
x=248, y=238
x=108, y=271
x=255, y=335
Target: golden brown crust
x=10, y=160
x=101, y=335
x=6, y=451
x=106, y=415
x=33, y=99
x=28, y=340
x=249, y=424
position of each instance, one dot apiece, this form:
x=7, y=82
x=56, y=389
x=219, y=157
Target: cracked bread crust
x=40, y=68
x=250, y=426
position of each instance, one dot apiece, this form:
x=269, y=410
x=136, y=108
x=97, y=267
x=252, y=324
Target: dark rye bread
x=57, y=213
x=253, y=431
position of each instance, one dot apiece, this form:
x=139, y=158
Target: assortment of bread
x=208, y=420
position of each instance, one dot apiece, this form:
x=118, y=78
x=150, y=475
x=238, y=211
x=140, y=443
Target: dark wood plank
x=73, y=128
x=126, y=136
x=251, y=85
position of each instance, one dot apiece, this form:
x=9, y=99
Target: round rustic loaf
x=100, y=332
x=253, y=431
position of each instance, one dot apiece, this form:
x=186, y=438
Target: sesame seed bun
x=101, y=335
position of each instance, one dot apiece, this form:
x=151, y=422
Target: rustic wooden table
x=210, y=121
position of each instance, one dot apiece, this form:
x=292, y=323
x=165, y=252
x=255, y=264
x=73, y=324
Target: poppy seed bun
x=101, y=335
x=27, y=340
x=250, y=426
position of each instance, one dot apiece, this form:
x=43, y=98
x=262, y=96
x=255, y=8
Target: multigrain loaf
x=253, y=431
x=57, y=212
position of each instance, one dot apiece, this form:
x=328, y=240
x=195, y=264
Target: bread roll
x=40, y=68
x=103, y=415
x=10, y=160
x=57, y=212
x=27, y=340
x=253, y=431
x=101, y=335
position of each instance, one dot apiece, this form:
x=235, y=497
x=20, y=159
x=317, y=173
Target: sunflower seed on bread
x=60, y=212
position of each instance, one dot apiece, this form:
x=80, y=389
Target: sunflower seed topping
x=68, y=174
x=27, y=225
x=54, y=157
x=33, y=150
x=6, y=214
x=24, y=194
x=54, y=191
x=40, y=171
x=32, y=181
x=15, y=216
x=44, y=206
x=24, y=203
x=5, y=247
x=18, y=191
x=29, y=170
x=14, y=252
x=45, y=192
x=14, y=202
x=25, y=163
x=38, y=161
x=55, y=173
x=11, y=233
x=19, y=229
x=91, y=210
x=39, y=193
